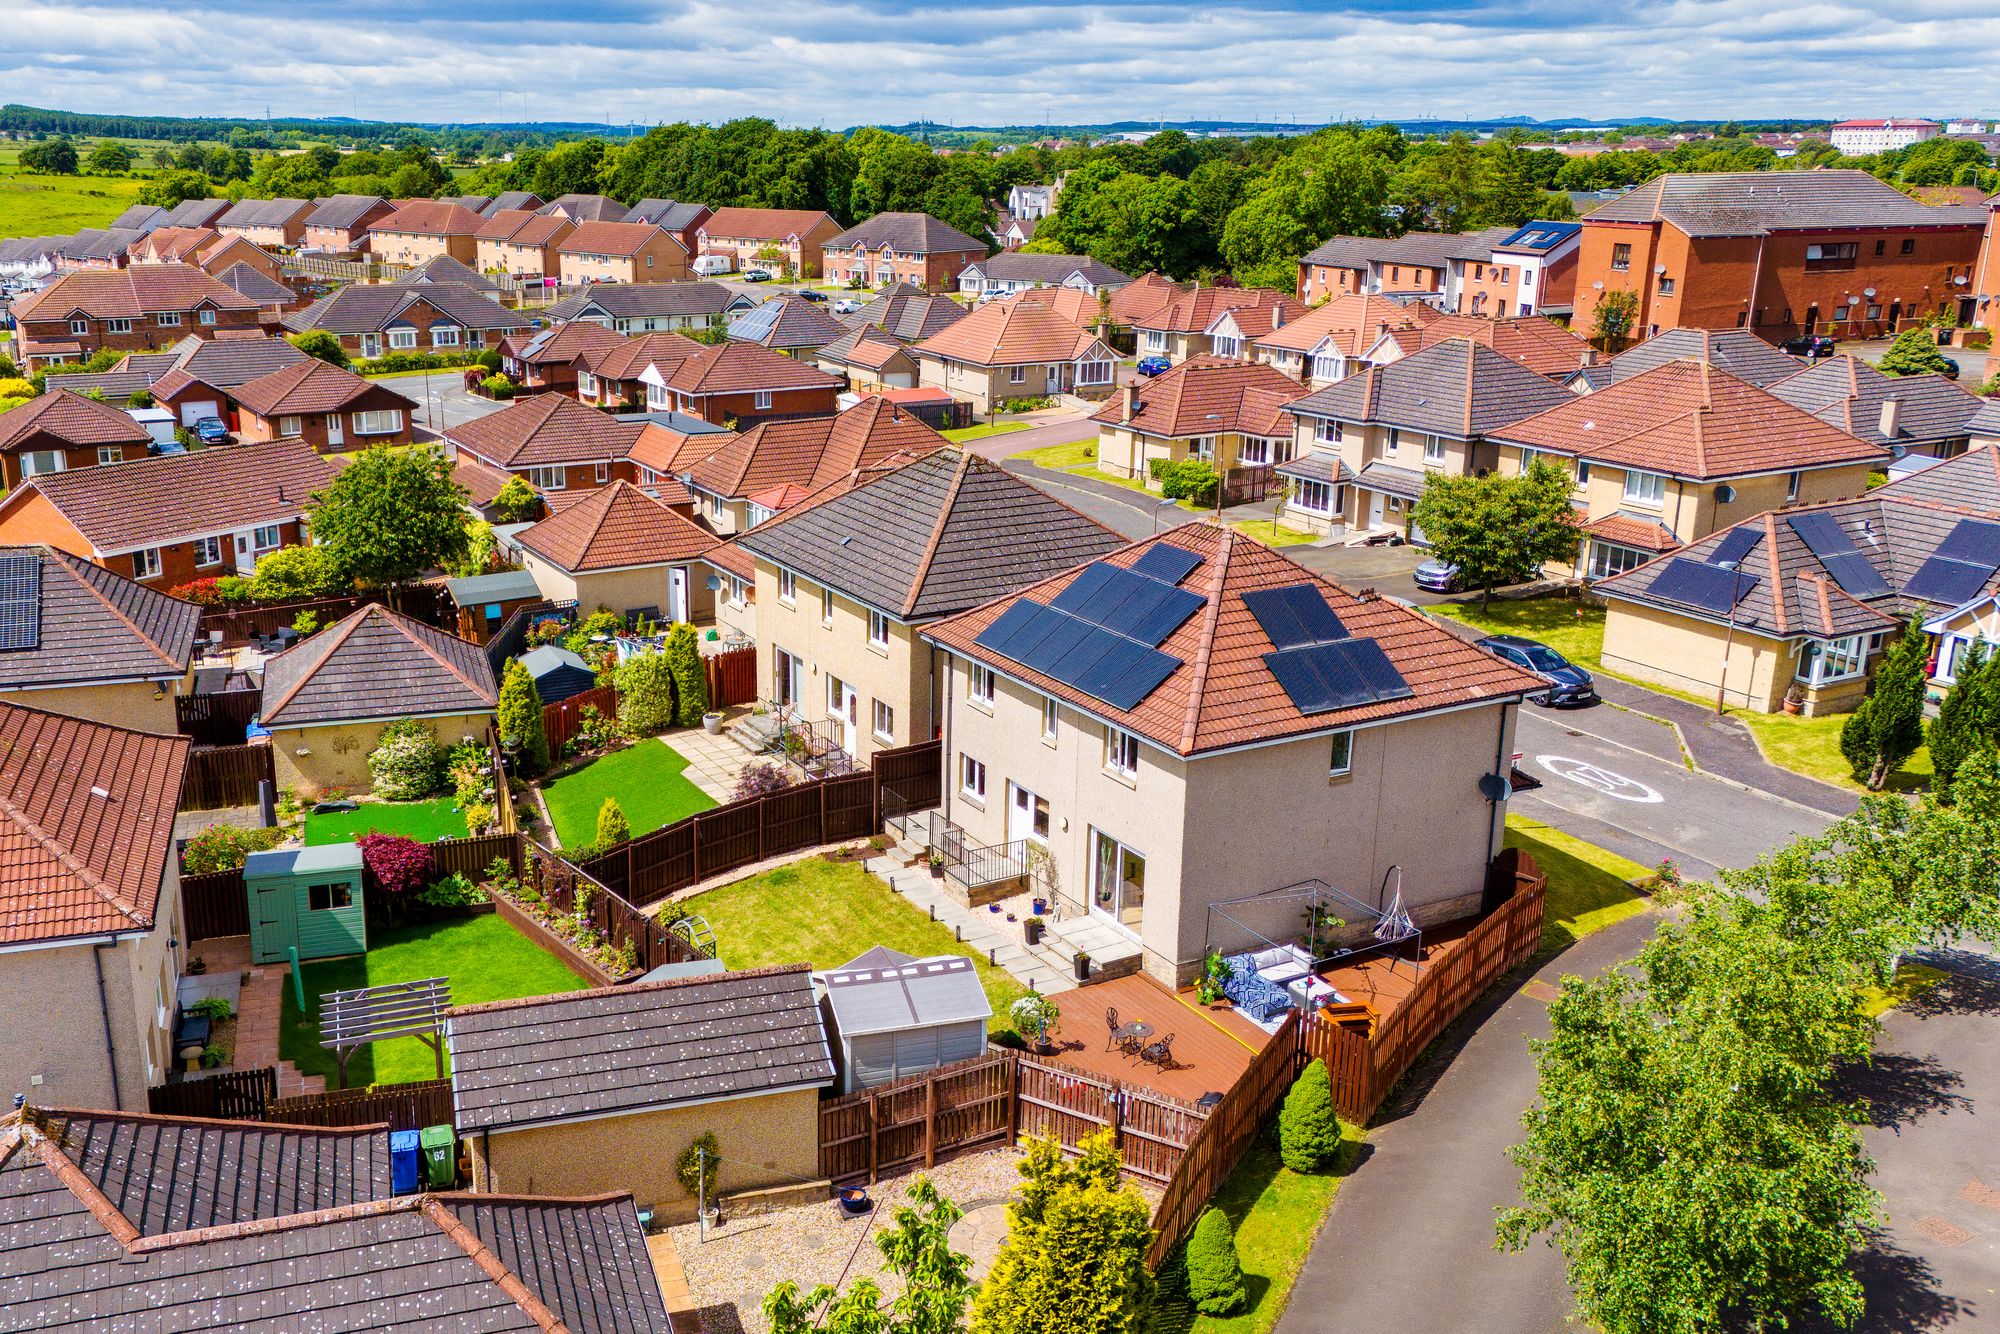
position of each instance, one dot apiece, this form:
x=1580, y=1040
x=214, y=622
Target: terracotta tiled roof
x=811, y=451
x=520, y=226
x=482, y=481
x=376, y=663
x=1740, y=352
x=545, y=429
x=668, y=451
x=626, y=359
x=560, y=345
x=171, y=243
x=86, y=824
x=1632, y=530
x=1540, y=344
x=868, y=347
x=731, y=558
x=737, y=368
x=176, y=497
x=1208, y=395
x=129, y=293
x=1194, y=311
x=1079, y=307
x=1143, y=297
x=311, y=386
x=1222, y=694
x=1253, y=320
x=69, y=417
x=613, y=528
x=1690, y=420
x=612, y=238
x=763, y=224
x=1353, y=321
x=95, y=626
x=431, y=217
x=1010, y=333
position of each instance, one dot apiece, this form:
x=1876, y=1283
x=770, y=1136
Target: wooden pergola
x=350, y=1019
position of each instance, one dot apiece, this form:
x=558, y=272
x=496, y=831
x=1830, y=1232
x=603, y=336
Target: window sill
x=1339, y=779
x=1122, y=778
x=983, y=706
x=973, y=799
x=879, y=650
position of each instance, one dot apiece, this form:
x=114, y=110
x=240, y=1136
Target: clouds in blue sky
x=845, y=62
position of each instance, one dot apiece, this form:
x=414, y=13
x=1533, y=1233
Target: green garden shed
x=308, y=897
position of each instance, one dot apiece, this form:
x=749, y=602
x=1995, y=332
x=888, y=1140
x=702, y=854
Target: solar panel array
x=1318, y=663
x=1101, y=635
x=1734, y=546
x=1694, y=583
x=1823, y=535
x=1961, y=565
x=20, y=602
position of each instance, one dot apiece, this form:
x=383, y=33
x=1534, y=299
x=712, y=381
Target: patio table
x=1137, y=1030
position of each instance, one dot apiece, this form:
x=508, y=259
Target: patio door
x=843, y=706
x=1118, y=881
x=784, y=680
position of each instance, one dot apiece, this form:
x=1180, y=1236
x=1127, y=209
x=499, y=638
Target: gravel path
x=730, y=1272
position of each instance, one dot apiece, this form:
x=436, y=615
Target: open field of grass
x=825, y=913
x=486, y=960
x=53, y=205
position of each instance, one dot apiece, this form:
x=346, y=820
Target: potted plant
x=1034, y=1015
x=1795, y=699
x=1031, y=929
x=1082, y=965
x=711, y=723
x=1215, y=974
x=936, y=860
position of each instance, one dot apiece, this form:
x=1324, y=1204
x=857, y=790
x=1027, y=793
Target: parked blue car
x=1150, y=366
x=211, y=431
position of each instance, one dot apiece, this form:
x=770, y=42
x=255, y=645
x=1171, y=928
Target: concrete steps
x=1112, y=952
x=754, y=732
x=981, y=933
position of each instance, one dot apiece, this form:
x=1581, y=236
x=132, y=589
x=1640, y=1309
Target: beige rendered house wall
x=1686, y=654
x=898, y=675
x=336, y=754
x=765, y=1141
x=130, y=704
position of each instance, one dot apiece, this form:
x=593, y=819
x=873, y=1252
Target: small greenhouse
x=895, y=1016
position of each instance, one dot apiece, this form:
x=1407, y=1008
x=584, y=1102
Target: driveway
x=442, y=398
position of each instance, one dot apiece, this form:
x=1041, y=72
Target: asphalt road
x=442, y=399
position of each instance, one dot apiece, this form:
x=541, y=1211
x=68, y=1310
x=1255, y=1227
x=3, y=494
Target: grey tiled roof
x=261, y=212
x=637, y=1047
x=1019, y=266
x=353, y=310
x=585, y=208
x=1986, y=422
x=343, y=210
x=1849, y=393
x=911, y=318
x=376, y=663
x=141, y=217
x=933, y=537
x=1742, y=353
x=1457, y=388
x=633, y=301
x=1391, y=480
x=1316, y=466
x=256, y=284
x=195, y=212
x=1431, y=250
x=507, y=199
x=1756, y=203
x=784, y=323
x=907, y=234
x=98, y=626
x=445, y=269
x=667, y=213
x=1971, y=481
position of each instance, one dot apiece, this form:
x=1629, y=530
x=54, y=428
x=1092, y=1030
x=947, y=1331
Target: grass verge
x=1270, y=534
x=964, y=433
x=648, y=780
x=824, y=913
x=486, y=960
x=1589, y=887
x=1912, y=980
x=425, y=821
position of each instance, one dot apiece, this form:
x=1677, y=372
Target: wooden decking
x=1212, y=1048
x=1382, y=981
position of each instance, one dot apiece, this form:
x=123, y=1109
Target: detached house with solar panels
x=1196, y=719
x=1793, y=608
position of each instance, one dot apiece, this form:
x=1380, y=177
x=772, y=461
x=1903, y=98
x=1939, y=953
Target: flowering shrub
x=396, y=866
x=547, y=630
x=760, y=780
x=407, y=763
x=478, y=815
x=498, y=386
x=223, y=847
x=201, y=592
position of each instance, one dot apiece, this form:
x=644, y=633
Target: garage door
x=195, y=411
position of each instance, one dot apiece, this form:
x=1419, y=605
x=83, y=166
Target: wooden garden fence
x=916, y=1121
x=564, y=718
x=219, y=719
x=732, y=677
x=226, y=776
x=425, y=1102
x=215, y=904
x=235, y=1095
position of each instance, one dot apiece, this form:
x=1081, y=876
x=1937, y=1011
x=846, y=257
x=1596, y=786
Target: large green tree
x=1074, y=1258
x=936, y=1285
x=1497, y=529
x=390, y=515
x=520, y=717
x=1969, y=719
x=51, y=157
x=1335, y=182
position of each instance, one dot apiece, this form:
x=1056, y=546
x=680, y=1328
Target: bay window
x=403, y=340
x=386, y=421
x=1824, y=661
x=1314, y=497
x=1607, y=559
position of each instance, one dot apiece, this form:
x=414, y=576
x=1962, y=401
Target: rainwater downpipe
x=1500, y=767
x=104, y=1012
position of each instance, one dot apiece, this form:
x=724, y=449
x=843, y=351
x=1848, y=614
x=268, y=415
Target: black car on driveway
x=1567, y=683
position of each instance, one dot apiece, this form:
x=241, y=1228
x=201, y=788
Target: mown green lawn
x=1554, y=621
x=425, y=821
x=826, y=913
x=1271, y=534
x=1589, y=887
x=486, y=960
x=962, y=434
x=52, y=205
x=647, y=779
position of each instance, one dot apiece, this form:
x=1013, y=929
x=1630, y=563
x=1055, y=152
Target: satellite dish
x=714, y=582
x=1495, y=787
x=1724, y=494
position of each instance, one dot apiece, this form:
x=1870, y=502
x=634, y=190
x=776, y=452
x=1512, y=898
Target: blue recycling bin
x=405, y=1160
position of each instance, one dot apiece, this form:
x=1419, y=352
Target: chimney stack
x=1131, y=403
x=1587, y=357
x=1892, y=416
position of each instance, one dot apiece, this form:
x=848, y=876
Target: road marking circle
x=1605, y=781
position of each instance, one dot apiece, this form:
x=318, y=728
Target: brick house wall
x=744, y=408
x=74, y=456
x=933, y=272
x=518, y=259
x=138, y=334
x=583, y=476
x=315, y=429
x=660, y=260
x=1320, y=281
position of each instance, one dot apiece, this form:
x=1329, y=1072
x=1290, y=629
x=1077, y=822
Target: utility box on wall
x=308, y=897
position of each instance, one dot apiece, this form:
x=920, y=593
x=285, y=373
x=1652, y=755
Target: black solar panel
x=20, y=602
x=1941, y=579
x=1166, y=562
x=1131, y=604
x=1854, y=572
x=1320, y=678
x=1101, y=663
x=1294, y=615
x=1735, y=545
x=1973, y=542
x=1708, y=587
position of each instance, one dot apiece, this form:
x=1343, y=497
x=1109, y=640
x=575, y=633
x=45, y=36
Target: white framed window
x=1645, y=488
x=1093, y=372
x=1326, y=368
x=972, y=777
x=146, y=563
x=763, y=398
x=1326, y=432
x=265, y=537
x=1792, y=485
x=825, y=605
x=1156, y=340
x=208, y=551
x=1202, y=447
x=110, y=454
x=1582, y=473
x=206, y=315
x=1017, y=375
x=1821, y=662
x=35, y=462
x=788, y=587
x=1340, y=759
x=1254, y=451
x=739, y=592
x=169, y=319
x=79, y=327
x=603, y=473
x=548, y=477
x=1433, y=449
x=1051, y=712
x=979, y=685
x=288, y=425
x=446, y=335
x=386, y=421
x=402, y=340
x=1226, y=346
x=118, y=326
x=883, y=722
x=1395, y=439
x=1121, y=752
x=878, y=629
x=1313, y=498
x=1608, y=558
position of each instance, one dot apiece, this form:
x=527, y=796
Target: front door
x=1375, y=515
x=843, y=707
x=677, y=594
x=1027, y=815
x=336, y=433
x=1118, y=882
x=371, y=345
x=246, y=556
